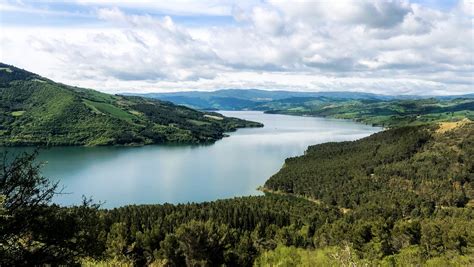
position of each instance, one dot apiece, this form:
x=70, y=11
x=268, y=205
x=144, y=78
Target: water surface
x=233, y=166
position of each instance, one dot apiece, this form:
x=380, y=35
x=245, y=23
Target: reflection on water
x=233, y=166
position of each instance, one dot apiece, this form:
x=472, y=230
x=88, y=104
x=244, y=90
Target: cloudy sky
x=388, y=47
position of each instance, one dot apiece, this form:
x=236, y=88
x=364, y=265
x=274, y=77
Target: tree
x=171, y=251
x=117, y=241
x=204, y=243
x=25, y=193
x=32, y=232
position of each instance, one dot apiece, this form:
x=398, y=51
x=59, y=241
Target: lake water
x=233, y=166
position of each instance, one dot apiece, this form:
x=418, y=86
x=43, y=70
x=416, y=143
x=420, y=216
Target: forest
x=35, y=111
x=399, y=197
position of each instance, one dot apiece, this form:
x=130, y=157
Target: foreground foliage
x=37, y=111
x=33, y=232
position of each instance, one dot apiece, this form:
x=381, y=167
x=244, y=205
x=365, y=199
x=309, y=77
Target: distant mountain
x=255, y=99
x=265, y=95
x=449, y=97
x=37, y=111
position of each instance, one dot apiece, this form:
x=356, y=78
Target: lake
x=233, y=166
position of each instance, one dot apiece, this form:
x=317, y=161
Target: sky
x=423, y=47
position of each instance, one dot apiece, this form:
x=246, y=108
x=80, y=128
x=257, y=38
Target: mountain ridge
x=247, y=99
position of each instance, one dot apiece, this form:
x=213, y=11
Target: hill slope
x=38, y=111
x=425, y=164
x=388, y=113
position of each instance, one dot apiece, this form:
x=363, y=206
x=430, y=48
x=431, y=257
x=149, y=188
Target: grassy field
x=109, y=109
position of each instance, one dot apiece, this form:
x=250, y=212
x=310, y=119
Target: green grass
x=105, y=108
x=92, y=107
x=199, y=123
x=6, y=69
x=93, y=95
x=18, y=113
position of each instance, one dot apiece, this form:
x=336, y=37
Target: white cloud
x=267, y=20
x=372, y=14
x=374, y=46
x=467, y=7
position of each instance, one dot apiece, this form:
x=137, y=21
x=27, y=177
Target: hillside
x=387, y=113
x=38, y=111
x=431, y=164
x=401, y=179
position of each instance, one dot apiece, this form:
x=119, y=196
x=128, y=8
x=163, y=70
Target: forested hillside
x=400, y=197
x=38, y=111
x=421, y=162
x=377, y=112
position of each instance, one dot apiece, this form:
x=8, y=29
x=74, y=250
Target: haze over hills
x=37, y=111
x=248, y=99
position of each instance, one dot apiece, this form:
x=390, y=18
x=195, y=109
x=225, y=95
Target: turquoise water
x=233, y=166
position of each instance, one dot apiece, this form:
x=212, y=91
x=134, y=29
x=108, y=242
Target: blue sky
x=67, y=13
x=390, y=47
x=74, y=13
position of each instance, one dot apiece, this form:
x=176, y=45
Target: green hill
x=431, y=164
x=388, y=113
x=38, y=111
